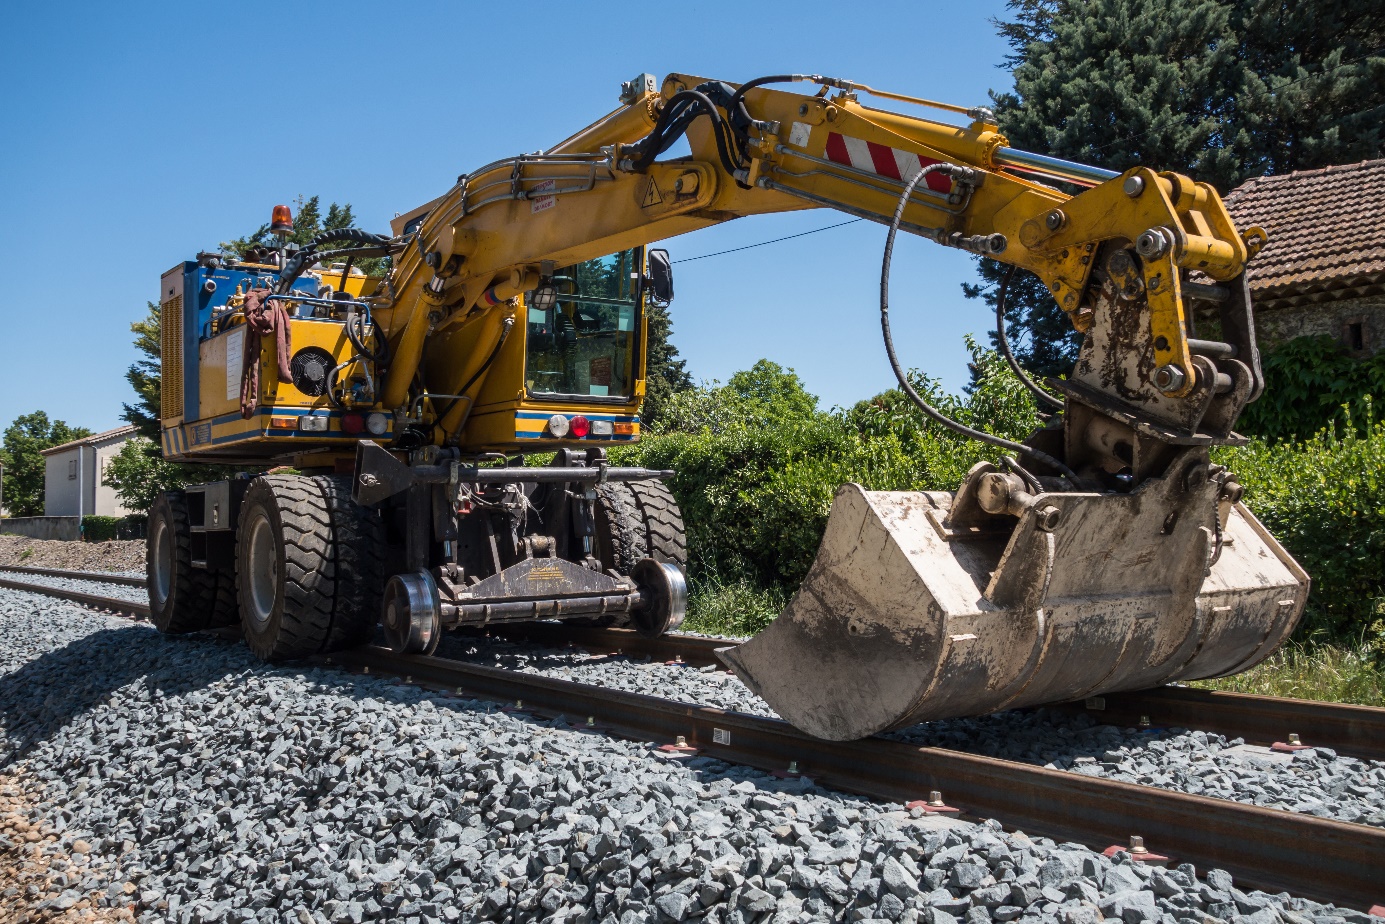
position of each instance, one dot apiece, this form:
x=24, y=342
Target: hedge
x=103, y=529
x=755, y=475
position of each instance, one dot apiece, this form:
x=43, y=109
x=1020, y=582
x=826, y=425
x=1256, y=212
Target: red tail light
x=581, y=426
x=352, y=423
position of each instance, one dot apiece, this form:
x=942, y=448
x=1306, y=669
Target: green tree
x=1221, y=90
x=25, y=439
x=665, y=373
x=144, y=375
x=138, y=473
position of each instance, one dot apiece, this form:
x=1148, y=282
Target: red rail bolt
x=934, y=805
x=1293, y=744
x=1138, y=852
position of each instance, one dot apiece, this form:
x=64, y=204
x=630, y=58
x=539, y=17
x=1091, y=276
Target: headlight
x=558, y=426
x=377, y=424
x=601, y=428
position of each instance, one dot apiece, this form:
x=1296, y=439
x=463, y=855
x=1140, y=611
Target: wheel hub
x=264, y=570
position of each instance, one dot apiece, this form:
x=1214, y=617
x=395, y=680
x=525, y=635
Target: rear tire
x=620, y=541
x=182, y=598
x=665, y=537
x=620, y=532
x=310, y=566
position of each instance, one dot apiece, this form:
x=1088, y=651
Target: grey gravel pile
x=1316, y=781
x=229, y=791
x=94, y=586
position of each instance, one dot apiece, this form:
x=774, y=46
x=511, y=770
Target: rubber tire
x=225, y=607
x=665, y=537
x=190, y=605
x=362, y=550
x=621, y=538
x=329, y=555
x=620, y=542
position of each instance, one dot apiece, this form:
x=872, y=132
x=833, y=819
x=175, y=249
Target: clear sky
x=134, y=135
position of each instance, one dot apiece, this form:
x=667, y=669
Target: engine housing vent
x=309, y=368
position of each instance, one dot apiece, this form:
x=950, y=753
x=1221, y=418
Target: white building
x=72, y=481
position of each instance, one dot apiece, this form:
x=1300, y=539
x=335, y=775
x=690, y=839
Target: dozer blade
x=902, y=620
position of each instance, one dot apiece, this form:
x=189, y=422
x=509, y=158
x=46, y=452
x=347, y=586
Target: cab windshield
x=585, y=344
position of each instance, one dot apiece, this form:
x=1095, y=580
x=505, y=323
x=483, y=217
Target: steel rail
x=98, y=576
x=1355, y=730
x=1358, y=731
x=1263, y=848
x=124, y=607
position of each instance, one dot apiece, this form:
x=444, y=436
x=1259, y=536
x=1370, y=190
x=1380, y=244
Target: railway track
x=1263, y=848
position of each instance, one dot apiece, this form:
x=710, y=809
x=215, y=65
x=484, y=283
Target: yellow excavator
x=1104, y=552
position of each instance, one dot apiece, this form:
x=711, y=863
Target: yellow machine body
x=1112, y=554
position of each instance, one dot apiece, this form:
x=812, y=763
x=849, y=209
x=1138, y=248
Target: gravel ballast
x=209, y=787
x=1316, y=781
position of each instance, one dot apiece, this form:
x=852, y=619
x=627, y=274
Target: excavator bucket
x=906, y=617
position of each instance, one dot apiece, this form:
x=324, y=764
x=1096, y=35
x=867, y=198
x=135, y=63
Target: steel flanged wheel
x=411, y=613
x=663, y=597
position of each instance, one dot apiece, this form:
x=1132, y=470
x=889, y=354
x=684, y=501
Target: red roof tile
x=1326, y=227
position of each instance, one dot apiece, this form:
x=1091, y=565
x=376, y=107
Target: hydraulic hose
x=297, y=264
x=682, y=104
x=357, y=337
x=1003, y=342
x=737, y=111
x=929, y=411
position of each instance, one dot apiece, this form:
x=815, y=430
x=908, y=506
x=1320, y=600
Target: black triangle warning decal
x=651, y=195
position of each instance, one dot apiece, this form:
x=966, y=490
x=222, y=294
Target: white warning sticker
x=235, y=361
x=798, y=135
x=537, y=201
x=721, y=736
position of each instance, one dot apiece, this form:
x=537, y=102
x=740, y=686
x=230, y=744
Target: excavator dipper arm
x=1126, y=563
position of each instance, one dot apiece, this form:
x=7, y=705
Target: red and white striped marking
x=883, y=160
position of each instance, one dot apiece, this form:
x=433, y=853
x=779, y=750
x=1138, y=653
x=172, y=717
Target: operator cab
x=582, y=337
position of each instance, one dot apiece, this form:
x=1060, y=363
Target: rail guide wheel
x=663, y=597
x=411, y=613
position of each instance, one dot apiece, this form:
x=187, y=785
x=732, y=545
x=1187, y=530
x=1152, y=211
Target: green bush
x=1324, y=499
x=757, y=466
x=103, y=529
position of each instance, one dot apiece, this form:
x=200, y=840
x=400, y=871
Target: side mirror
x=660, y=276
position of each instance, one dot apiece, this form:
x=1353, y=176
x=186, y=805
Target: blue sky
x=137, y=134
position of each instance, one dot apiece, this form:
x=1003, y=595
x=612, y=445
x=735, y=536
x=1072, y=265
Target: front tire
x=310, y=567
x=665, y=536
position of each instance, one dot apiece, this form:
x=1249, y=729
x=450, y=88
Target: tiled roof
x=1326, y=228
x=106, y=436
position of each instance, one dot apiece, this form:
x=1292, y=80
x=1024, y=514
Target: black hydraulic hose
x=309, y=254
x=760, y=82
x=736, y=109
x=1003, y=342
x=931, y=412
x=658, y=143
x=357, y=340
x=346, y=234
x=296, y=265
